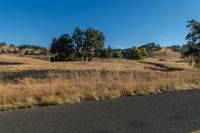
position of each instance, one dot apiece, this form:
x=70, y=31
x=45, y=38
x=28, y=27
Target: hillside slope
x=165, y=53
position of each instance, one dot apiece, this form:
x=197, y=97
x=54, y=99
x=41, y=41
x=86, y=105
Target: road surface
x=171, y=112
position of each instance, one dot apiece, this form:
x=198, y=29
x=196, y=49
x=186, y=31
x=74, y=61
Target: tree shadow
x=161, y=67
x=11, y=63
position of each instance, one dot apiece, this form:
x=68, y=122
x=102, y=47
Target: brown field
x=28, y=82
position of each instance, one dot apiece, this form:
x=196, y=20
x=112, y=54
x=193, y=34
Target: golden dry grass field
x=28, y=82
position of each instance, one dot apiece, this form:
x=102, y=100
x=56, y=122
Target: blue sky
x=125, y=23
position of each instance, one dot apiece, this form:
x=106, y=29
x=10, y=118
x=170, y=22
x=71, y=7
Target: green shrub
x=117, y=54
x=138, y=53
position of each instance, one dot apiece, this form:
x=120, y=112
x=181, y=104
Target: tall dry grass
x=28, y=92
x=30, y=83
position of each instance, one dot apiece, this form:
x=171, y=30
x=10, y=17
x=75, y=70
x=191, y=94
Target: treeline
x=35, y=47
x=84, y=45
x=130, y=53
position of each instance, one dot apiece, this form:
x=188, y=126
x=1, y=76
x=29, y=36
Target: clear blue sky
x=124, y=22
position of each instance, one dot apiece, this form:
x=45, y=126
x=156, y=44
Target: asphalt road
x=172, y=112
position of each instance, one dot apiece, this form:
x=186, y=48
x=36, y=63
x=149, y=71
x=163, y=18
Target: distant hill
x=165, y=53
x=33, y=50
x=151, y=47
x=156, y=51
x=23, y=49
x=176, y=48
x=7, y=49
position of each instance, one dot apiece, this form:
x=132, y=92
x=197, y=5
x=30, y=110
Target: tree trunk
x=89, y=56
x=84, y=58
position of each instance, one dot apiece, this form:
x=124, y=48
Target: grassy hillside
x=27, y=82
x=14, y=63
x=23, y=49
x=165, y=53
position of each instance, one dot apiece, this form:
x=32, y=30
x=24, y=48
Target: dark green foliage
x=193, y=47
x=83, y=45
x=62, y=48
x=35, y=47
x=78, y=38
x=109, y=51
x=94, y=42
x=193, y=54
x=103, y=53
x=194, y=35
x=106, y=53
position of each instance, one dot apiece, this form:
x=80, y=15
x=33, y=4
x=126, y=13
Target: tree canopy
x=94, y=42
x=193, y=45
x=82, y=45
x=62, y=48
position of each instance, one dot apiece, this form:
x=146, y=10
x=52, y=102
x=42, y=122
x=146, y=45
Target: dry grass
x=30, y=92
x=112, y=78
x=36, y=64
x=165, y=53
x=198, y=131
x=106, y=64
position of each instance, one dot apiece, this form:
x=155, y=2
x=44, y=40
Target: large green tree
x=82, y=45
x=62, y=49
x=94, y=42
x=193, y=46
x=79, y=43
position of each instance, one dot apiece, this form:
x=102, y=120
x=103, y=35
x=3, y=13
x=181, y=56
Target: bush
x=117, y=54
x=106, y=52
x=138, y=53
